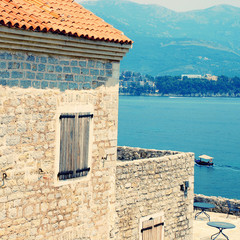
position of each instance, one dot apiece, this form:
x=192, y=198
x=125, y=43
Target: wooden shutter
x=152, y=229
x=83, y=126
x=74, y=145
x=67, y=143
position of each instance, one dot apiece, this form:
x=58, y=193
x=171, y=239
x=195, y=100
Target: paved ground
x=201, y=231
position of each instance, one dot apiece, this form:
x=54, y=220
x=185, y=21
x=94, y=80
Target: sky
x=185, y=5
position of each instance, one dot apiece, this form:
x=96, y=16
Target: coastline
x=219, y=202
x=187, y=95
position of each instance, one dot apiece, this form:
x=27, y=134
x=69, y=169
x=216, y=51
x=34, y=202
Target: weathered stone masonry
x=31, y=205
x=40, y=75
x=27, y=70
x=152, y=185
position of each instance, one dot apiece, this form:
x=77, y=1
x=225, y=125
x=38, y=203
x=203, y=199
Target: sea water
x=201, y=125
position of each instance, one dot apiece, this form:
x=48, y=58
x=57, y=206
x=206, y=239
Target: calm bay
x=201, y=125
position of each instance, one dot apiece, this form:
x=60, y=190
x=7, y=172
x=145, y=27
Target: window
x=74, y=145
x=152, y=227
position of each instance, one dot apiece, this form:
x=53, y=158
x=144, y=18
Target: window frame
x=72, y=108
x=152, y=216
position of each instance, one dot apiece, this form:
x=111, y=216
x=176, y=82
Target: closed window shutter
x=152, y=229
x=67, y=142
x=74, y=145
x=83, y=123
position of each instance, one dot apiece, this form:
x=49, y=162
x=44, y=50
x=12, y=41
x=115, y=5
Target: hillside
x=172, y=43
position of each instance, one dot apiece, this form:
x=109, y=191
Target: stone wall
x=219, y=202
x=32, y=206
x=42, y=71
x=130, y=154
x=149, y=186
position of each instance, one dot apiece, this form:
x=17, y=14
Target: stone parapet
x=153, y=185
x=131, y=153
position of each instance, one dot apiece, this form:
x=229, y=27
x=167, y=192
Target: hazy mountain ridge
x=168, y=42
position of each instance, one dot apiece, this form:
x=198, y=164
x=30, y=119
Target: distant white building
x=191, y=76
x=210, y=77
x=198, y=76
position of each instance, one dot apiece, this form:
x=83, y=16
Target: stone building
x=59, y=174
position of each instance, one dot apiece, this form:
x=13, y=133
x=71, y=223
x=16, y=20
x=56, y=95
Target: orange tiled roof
x=64, y=17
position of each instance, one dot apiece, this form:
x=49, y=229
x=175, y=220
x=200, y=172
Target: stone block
x=44, y=84
x=43, y=59
x=91, y=63
x=73, y=86
x=4, y=74
x=74, y=63
x=102, y=78
x=50, y=68
x=64, y=62
x=51, y=76
x=25, y=65
x=36, y=84
x=3, y=82
x=94, y=84
x=78, y=78
x=3, y=65
x=63, y=86
x=86, y=86
x=108, y=73
x=13, y=65
x=82, y=63
x=94, y=72
x=19, y=56
x=21, y=127
x=52, y=60
x=60, y=77
x=80, y=86
x=66, y=70
x=41, y=67
x=28, y=211
x=76, y=70
x=30, y=75
x=3, y=200
x=12, y=212
x=84, y=71
x=69, y=77
x=5, y=55
x=62, y=203
x=25, y=83
x=108, y=65
x=88, y=79
x=44, y=207
x=6, y=119
x=99, y=64
x=39, y=76
x=34, y=67
x=53, y=85
x=30, y=58
x=12, y=140
x=58, y=68
x=17, y=75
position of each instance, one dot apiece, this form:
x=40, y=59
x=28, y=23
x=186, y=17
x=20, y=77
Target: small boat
x=204, y=160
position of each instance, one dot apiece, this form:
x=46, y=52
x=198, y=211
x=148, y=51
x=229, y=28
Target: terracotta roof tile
x=58, y=16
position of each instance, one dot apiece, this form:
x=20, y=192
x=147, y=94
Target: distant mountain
x=174, y=43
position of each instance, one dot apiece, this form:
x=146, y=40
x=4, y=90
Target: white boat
x=204, y=160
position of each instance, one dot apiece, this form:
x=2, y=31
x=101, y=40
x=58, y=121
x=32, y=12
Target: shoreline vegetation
x=136, y=84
